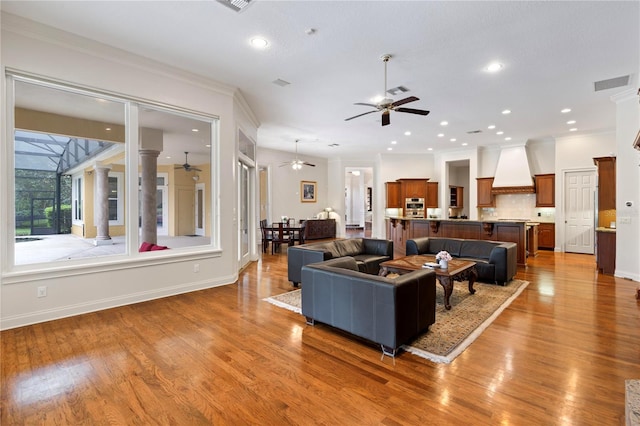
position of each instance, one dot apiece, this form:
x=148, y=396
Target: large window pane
x=179, y=146
x=60, y=135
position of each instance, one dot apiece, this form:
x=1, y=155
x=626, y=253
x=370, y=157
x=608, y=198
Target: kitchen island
x=401, y=229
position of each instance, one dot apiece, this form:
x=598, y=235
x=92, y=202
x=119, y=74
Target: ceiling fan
x=296, y=164
x=387, y=105
x=186, y=166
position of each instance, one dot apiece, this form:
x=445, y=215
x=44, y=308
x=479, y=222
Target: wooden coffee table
x=459, y=270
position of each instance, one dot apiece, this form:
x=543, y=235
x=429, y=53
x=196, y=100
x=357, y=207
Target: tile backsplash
x=517, y=206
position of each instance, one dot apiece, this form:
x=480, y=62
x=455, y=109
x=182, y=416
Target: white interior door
x=579, y=228
x=244, y=207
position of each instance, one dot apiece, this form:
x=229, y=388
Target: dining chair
x=279, y=236
x=266, y=234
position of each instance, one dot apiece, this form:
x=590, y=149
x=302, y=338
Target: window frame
x=129, y=192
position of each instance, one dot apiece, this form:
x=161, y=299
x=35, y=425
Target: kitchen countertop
x=603, y=229
x=525, y=221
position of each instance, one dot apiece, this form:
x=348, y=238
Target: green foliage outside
x=65, y=218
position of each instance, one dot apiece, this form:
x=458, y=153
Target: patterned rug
x=454, y=330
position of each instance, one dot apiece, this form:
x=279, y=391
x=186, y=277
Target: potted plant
x=443, y=258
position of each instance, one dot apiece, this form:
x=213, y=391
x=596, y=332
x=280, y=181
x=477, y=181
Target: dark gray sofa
x=390, y=312
x=496, y=262
x=368, y=253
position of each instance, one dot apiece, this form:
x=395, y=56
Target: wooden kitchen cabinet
x=547, y=236
x=456, y=194
x=606, y=182
x=413, y=188
x=546, y=190
x=432, y=195
x=485, y=197
x=532, y=240
x=393, y=195
x=606, y=252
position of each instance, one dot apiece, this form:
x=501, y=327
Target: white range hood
x=513, y=175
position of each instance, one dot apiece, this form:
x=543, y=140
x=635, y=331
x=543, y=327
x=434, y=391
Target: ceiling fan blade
x=193, y=169
x=386, y=118
x=362, y=103
x=405, y=101
x=412, y=111
x=309, y=164
x=359, y=115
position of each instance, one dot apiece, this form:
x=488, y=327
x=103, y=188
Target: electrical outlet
x=196, y=267
x=42, y=291
x=624, y=219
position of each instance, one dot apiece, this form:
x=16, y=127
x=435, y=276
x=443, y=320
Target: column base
x=103, y=242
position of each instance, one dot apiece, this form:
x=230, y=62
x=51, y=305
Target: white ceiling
x=552, y=53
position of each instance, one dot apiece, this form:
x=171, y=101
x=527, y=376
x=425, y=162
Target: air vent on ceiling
x=333, y=145
x=235, y=5
x=611, y=83
x=280, y=82
x=472, y=132
x=395, y=90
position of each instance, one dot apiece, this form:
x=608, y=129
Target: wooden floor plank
x=559, y=354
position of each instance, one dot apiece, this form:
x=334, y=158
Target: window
x=116, y=198
x=77, y=200
x=62, y=133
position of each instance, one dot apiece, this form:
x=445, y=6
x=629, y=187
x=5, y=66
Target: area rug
x=455, y=329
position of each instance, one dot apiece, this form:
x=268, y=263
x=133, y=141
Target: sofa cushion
x=450, y=245
x=476, y=249
x=349, y=247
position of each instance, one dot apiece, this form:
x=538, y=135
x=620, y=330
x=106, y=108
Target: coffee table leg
x=447, y=285
x=473, y=275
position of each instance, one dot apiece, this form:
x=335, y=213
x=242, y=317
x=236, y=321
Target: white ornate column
x=101, y=212
x=148, y=190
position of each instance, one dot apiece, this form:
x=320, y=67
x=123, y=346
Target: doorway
x=200, y=209
x=579, y=211
x=358, y=201
x=244, y=208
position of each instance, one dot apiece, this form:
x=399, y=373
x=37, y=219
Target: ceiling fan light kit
x=387, y=105
x=296, y=163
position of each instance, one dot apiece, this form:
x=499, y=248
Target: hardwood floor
x=558, y=355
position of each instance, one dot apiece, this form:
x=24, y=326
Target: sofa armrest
x=504, y=257
x=378, y=247
x=299, y=256
x=417, y=246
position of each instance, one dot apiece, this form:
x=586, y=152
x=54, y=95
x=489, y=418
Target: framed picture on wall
x=308, y=191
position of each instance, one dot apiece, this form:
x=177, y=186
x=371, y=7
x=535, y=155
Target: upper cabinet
x=485, y=197
x=393, y=195
x=606, y=190
x=456, y=196
x=413, y=188
x=546, y=190
x=432, y=195
x=606, y=182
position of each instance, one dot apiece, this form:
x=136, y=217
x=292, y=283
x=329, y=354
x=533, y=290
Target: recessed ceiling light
x=394, y=142
x=452, y=140
x=440, y=135
x=108, y=129
x=573, y=129
x=429, y=149
x=500, y=133
x=195, y=130
x=506, y=111
x=465, y=144
x=168, y=156
x=389, y=149
x=259, y=42
x=208, y=146
x=444, y=123
x=491, y=126
x=571, y=122
x=407, y=133
x=508, y=138
x=494, y=67
x=566, y=110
